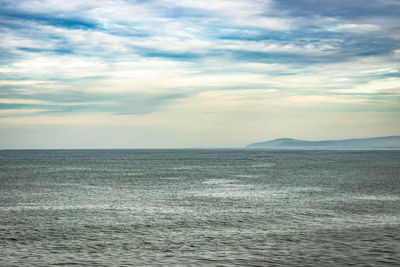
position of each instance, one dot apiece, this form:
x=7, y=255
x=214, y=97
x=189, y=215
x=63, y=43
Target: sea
x=199, y=207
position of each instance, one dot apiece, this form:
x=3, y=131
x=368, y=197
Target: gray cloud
x=355, y=9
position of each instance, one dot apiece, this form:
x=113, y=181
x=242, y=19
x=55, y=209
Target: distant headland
x=387, y=142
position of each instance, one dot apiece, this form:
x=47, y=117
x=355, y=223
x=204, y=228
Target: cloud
x=355, y=9
x=252, y=59
x=80, y=102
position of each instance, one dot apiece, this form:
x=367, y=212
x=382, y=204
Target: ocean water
x=199, y=207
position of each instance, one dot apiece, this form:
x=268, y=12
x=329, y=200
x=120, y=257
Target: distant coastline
x=386, y=142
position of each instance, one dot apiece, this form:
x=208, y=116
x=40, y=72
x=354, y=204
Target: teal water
x=199, y=207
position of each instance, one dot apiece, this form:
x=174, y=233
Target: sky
x=188, y=73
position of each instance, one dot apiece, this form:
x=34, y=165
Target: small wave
x=377, y=197
x=264, y=165
x=219, y=181
x=190, y=167
x=365, y=197
x=246, y=176
x=83, y=185
x=62, y=169
x=171, y=178
x=308, y=189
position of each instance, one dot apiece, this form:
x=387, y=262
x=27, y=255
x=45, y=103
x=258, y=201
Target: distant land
x=386, y=142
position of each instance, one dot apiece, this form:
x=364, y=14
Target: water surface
x=200, y=207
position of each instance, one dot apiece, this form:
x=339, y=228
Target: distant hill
x=376, y=142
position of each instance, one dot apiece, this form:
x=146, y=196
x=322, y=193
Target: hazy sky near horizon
x=166, y=73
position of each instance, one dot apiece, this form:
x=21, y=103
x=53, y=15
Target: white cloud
x=357, y=27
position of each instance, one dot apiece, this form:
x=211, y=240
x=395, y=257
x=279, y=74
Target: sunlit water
x=199, y=207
